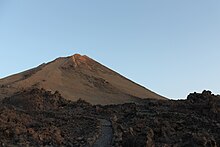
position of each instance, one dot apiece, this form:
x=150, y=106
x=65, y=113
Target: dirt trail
x=106, y=134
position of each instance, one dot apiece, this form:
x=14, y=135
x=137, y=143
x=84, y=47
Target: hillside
x=78, y=77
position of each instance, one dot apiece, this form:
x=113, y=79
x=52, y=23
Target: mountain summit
x=77, y=77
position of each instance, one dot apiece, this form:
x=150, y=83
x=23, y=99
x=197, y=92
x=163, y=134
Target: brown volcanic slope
x=78, y=77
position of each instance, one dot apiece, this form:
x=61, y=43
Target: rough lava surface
x=36, y=117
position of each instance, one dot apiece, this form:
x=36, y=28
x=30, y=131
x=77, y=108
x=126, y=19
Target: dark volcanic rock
x=36, y=99
x=206, y=104
x=36, y=117
x=39, y=118
x=183, y=123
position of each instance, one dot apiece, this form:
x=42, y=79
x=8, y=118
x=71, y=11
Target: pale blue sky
x=170, y=46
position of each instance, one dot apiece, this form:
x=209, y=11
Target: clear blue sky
x=170, y=46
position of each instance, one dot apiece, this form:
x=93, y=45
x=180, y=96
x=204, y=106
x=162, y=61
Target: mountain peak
x=79, y=76
x=77, y=60
x=78, y=57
